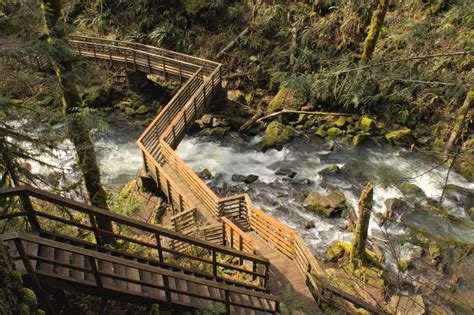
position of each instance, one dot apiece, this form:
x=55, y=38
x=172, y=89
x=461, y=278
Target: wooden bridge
x=246, y=258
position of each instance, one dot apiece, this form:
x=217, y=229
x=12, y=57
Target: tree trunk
x=360, y=236
x=374, y=31
x=460, y=118
x=76, y=129
x=8, y=160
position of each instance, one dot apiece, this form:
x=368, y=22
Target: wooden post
x=180, y=74
x=167, y=290
x=195, y=108
x=158, y=247
x=174, y=136
x=95, y=272
x=181, y=207
x=231, y=238
x=134, y=60
x=254, y=269
x=79, y=49
x=144, y=162
x=214, y=263
x=241, y=247
x=125, y=56
x=31, y=272
x=110, y=55
x=170, y=197
x=224, y=241
x=185, y=120
x=227, y=301
x=148, y=59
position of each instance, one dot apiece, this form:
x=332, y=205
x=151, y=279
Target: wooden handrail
x=28, y=191
x=95, y=256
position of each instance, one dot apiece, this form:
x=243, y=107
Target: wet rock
x=360, y=138
x=400, y=137
x=305, y=181
x=411, y=190
x=334, y=132
x=340, y=122
x=330, y=169
x=205, y=174
x=394, y=206
x=285, y=172
x=206, y=119
x=471, y=213
x=330, y=205
x=218, y=131
x=250, y=178
x=236, y=95
x=331, y=145
x=459, y=194
x=336, y=251
x=435, y=252
x=238, y=178
x=219, y=122
x=406, y=305
x=309, y=224
x=276, y=136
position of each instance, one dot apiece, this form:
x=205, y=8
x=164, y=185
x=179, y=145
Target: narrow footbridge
x=220, y=250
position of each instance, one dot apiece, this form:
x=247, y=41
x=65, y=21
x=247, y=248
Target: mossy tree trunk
x=71, y=101
x=9, y=164
x=460, y=121
x=357, y=255
x=374, y=31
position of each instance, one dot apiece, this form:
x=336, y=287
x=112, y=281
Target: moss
x=412, y=189
x=193, y=6
x=287, y=98
x=40, y=312
x=337, y=250
x=399, y=137
x=334, y=132
x=404, y=264
x=23, y=309
x=471, y=213
x=375, y=26
x=276, y=136
x=218, y=131
x=435, y=251
x=29, y=297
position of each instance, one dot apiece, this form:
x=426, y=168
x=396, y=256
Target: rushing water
x=283, y=197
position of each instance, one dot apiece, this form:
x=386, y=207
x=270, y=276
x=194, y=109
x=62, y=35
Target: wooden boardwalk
x=251, y=259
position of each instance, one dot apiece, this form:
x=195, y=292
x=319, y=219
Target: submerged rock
x=411, y=190
x=330, y=169
x=330, y=205
x=250, y=178
x=309, y=224
x=285, y=172
x=205, y=174
x=276, y=136
x=238, y=178
x=399, y=137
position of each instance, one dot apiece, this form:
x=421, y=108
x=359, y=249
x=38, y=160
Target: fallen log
x=288, y=111
x=249, y=123
x=232, y=43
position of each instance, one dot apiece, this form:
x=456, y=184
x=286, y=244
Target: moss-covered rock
x=330, y=205
x=218, y=131
x=404, y=264
x=23, y=309
x=143, y=109
x=308, y=224
x=330, y=169
x=367, y=124
x=411, y=189
x=471, y=213
x=337, y=250
x=321, y=133
x=334, y=132
x=360, y=138
x=287, y=98
x=340, y=122
x=399, y=137
x=29, y=298
x=129, y=111
x=276, y=136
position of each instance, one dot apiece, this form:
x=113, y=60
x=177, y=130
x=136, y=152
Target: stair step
x=119, y=270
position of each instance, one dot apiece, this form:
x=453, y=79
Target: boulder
x=276, y=136
x=367, y=124
x=218, y=131
x=399, y=137
x=129, y=111
x=330, y=205
x=206, y=119
x=337, y=250
x=334, y=132
x=287, y=98
x=406, y=305
x=331, y=145
x=250, y=178
x=236, y=95
x=394, y=206
x=285, y=172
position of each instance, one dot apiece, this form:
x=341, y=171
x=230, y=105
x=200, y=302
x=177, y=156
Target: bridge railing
x=106, y=279
x=47, y=212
